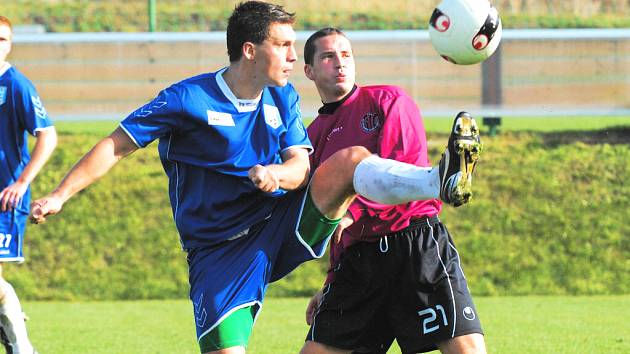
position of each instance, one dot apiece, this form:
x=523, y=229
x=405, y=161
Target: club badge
x=370, y=122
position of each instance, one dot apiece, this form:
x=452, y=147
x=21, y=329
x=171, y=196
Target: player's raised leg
x=355, y=170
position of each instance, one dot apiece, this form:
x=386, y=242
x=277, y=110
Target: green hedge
x=172, y=16
x=549, y=217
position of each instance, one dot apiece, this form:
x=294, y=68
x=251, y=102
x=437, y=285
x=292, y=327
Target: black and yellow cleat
x=459, y=159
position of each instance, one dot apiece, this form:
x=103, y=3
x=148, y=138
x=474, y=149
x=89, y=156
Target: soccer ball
x=465, y=31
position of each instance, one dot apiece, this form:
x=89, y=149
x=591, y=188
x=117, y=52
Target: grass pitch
x=515, y=325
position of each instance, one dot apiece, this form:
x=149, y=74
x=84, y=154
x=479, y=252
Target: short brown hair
x=5, y=21
x=250, y=22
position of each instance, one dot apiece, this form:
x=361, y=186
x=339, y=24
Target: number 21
x=432, y=318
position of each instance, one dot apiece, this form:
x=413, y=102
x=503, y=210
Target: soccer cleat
x=459, y=160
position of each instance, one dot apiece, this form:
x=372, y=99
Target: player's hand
x=313, y=304
x=41, y=208
x=12, y=195
x=264, y=178
x=343, y=224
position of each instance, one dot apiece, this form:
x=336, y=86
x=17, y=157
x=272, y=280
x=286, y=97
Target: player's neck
x=241, y=83
x=334, y=96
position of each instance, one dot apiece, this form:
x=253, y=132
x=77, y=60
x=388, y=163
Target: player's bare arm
x=44, y=147
x=291, y=174
x=103, y=156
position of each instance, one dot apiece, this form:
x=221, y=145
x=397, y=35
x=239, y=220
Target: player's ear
x=308, y=71
x=249, y=50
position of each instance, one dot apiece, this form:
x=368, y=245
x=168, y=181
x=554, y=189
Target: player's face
x=333, y=68
x=5, y=42
x=275, y=56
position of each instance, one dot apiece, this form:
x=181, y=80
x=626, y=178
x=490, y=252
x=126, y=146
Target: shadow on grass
x=611, y=135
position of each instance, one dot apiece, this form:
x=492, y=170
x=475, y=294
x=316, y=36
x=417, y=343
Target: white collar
x=241, y=105
x=3, y=69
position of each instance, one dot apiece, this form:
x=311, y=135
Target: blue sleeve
x=296, y=131
x=31, y=112
x=154, y=120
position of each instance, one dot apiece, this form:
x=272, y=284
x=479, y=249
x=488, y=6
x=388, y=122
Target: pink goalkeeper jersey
x=386, y=121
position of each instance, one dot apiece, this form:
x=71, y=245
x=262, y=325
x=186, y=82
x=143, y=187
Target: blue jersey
x=21, y=113
x=209, y=140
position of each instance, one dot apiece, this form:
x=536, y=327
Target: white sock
x=393, y=182
x=12, y=321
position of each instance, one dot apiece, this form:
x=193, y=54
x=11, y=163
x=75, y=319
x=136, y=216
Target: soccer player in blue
x=236, y=153
x=21, y=113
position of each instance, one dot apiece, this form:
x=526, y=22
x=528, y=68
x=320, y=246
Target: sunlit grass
x=515, y=325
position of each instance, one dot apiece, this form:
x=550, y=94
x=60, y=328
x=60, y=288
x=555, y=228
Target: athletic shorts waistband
x=423, y=220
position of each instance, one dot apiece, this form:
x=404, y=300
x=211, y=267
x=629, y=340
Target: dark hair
x=250, y=22
x=309, y=46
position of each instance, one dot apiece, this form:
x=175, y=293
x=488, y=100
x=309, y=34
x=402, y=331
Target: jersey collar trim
x=240, y=104
x=4, y=68
x=330, y=108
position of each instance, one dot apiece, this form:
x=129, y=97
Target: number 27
x=5, y=240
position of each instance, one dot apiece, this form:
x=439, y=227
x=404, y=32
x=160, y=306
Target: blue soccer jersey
x=209, y=140
x=21, y=113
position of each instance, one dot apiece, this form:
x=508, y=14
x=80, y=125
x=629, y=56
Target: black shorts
x=409, y=286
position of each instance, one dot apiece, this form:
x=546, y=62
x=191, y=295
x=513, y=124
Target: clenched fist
x=264, y=178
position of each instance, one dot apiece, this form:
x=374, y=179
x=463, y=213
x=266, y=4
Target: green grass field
x=514, y=325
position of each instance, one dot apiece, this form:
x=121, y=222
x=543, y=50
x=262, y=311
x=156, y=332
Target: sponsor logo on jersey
x=370, y=122
x=3, y=95
x=220, y=118
x=334, y=131
x=40, y=111
x=247, y=104
x=272, y=116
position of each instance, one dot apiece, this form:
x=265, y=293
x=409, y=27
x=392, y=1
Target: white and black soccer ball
x=465, y=31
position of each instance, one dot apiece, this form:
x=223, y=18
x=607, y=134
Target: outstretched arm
x=291, y=174
x=44, y=146
x=103, y=156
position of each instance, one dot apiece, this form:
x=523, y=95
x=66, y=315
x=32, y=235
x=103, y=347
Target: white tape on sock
x=393, y=182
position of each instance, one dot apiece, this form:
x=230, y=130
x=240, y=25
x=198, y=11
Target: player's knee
x=351, y=156
x=340, y=166
x=345, y=161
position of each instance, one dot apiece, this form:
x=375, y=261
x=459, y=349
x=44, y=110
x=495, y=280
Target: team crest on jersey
x=3, y=95
x=272, y=116
x=370, y=122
